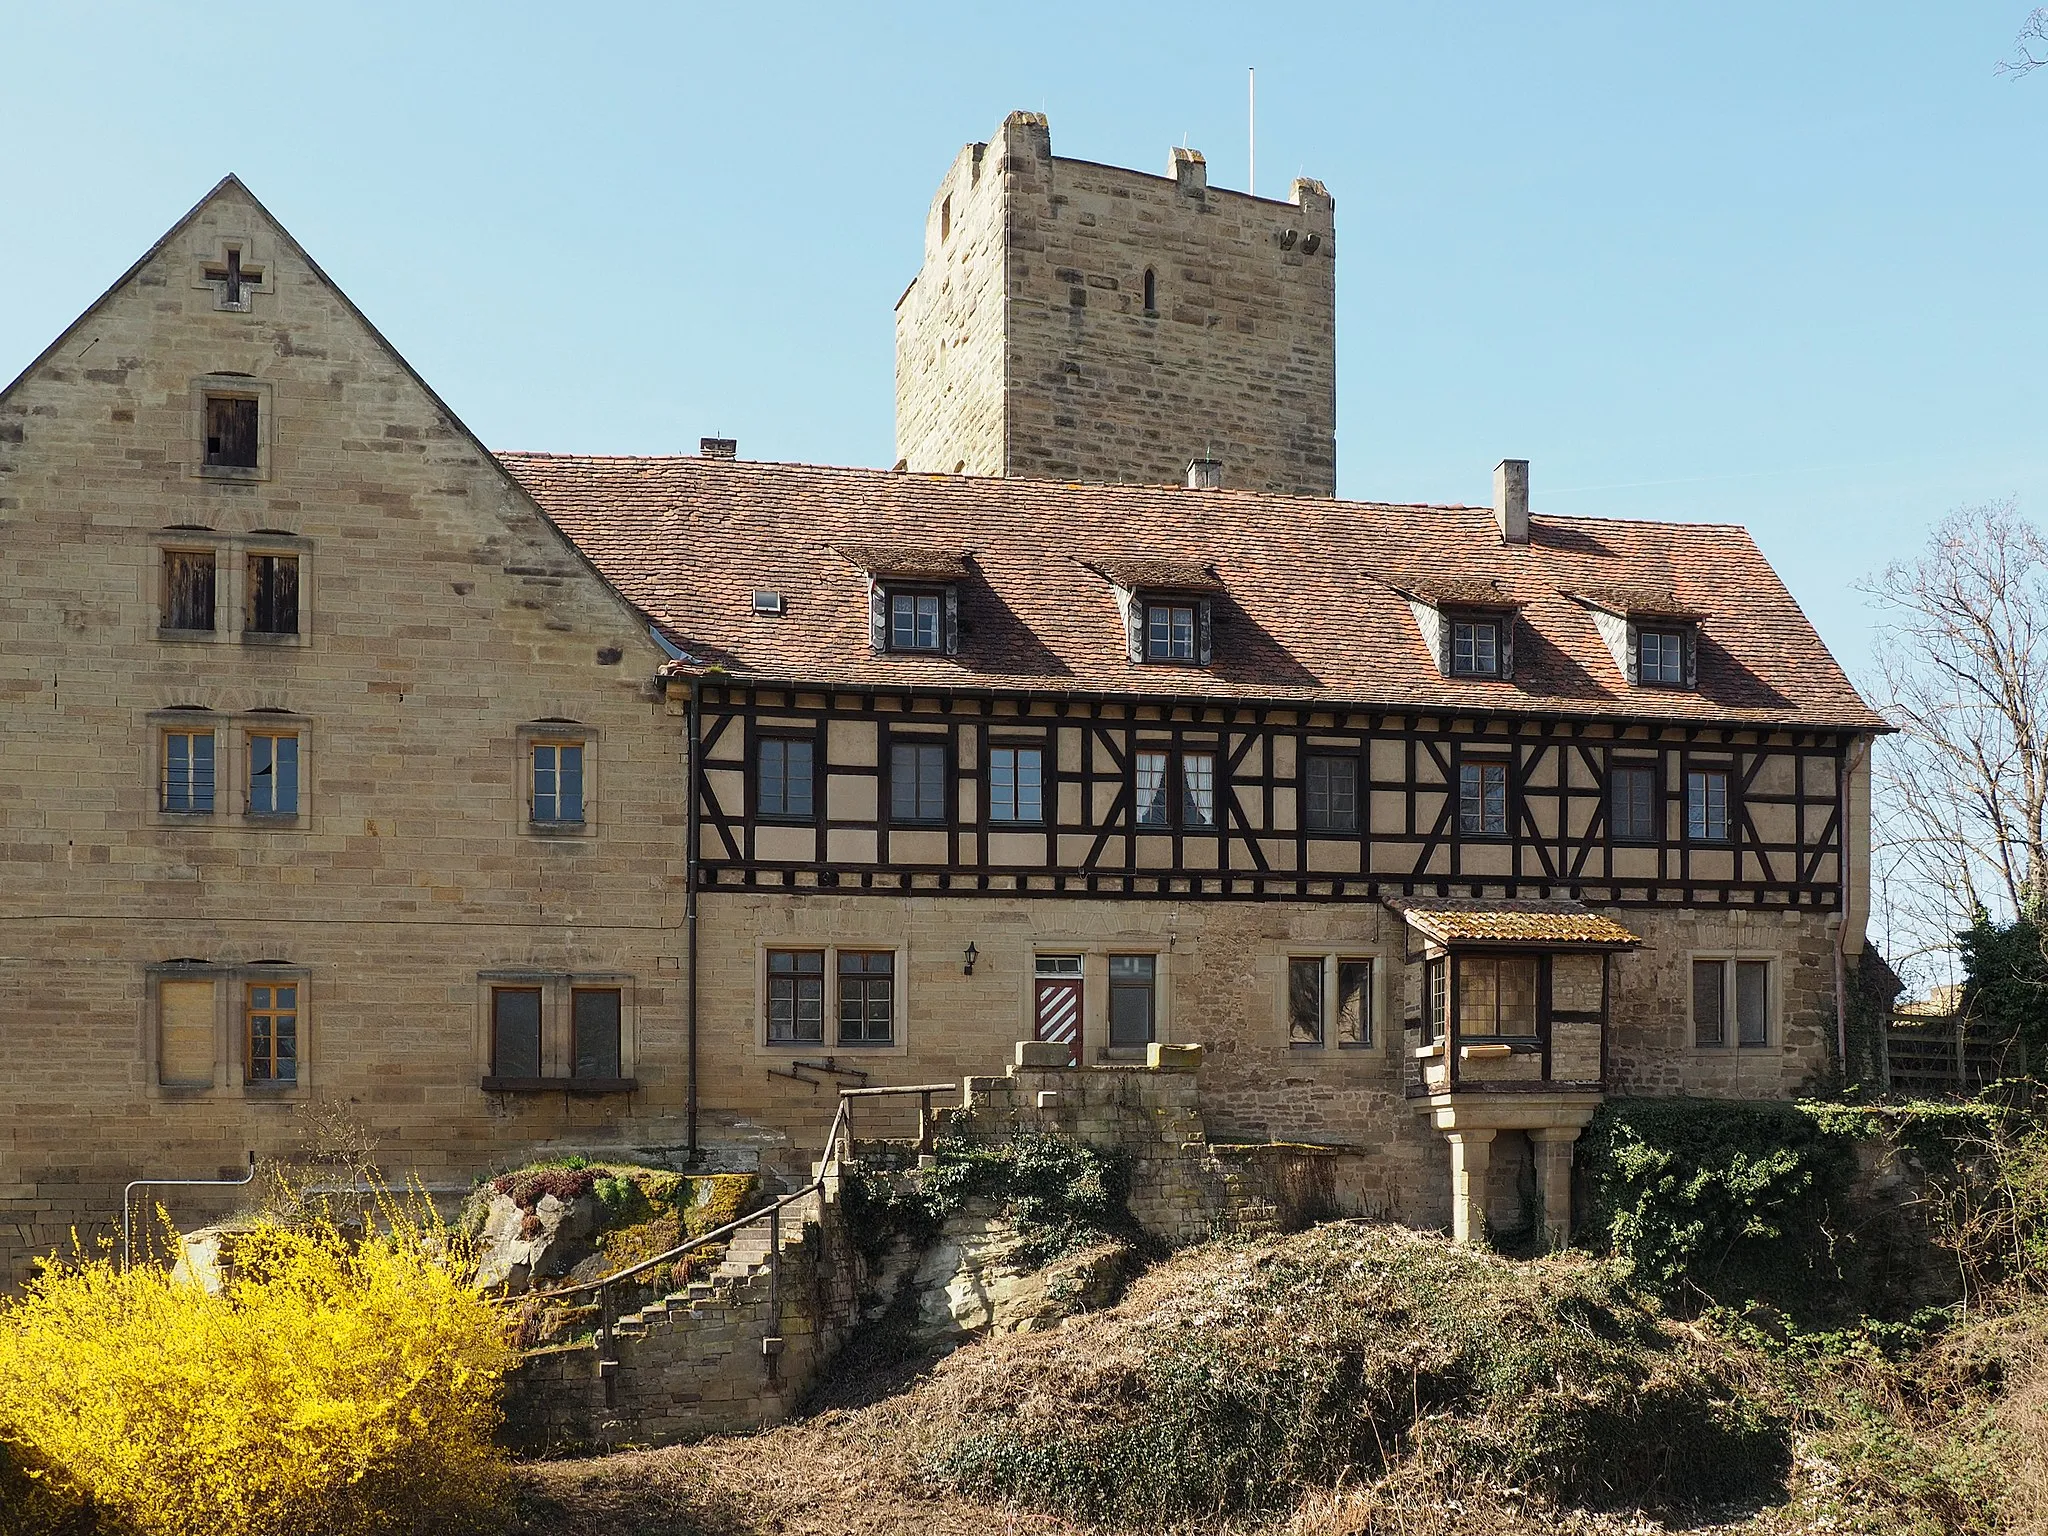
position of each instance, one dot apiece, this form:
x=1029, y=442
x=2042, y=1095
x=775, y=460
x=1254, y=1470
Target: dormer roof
x=1154, y=573
x=1638, y=602
x=1453, y=591
x=907, y=562
x=1309, y=613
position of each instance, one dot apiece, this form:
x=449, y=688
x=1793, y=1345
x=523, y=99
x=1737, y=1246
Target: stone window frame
x=231, y=982
x=557, y=1030
x=1377, y=1002
x=1731, y=1045
x=231, y=552
x=557, y=732
x=789, y=1050
x=231, y=386
x=231, y=732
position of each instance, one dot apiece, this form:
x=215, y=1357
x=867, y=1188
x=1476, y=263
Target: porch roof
x=1447, y=920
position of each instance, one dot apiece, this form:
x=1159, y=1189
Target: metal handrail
x=842, y=1121
x=128, y=1199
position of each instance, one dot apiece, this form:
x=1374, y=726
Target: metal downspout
x=690, y=854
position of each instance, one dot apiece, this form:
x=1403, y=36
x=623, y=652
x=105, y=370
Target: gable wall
x=441, y=613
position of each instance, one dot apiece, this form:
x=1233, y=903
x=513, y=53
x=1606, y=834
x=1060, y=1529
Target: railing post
x=924, y=1125
x=607, y=1361
x=771, y=1346
x=849, y=1128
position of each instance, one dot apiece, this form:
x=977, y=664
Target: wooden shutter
x=185, y=1037
x=952, y=620
x=878, y=616
x=1205, y=646
x=1692, y=657
x=1635, y=654
x=1507, y=645
x=1134, y=625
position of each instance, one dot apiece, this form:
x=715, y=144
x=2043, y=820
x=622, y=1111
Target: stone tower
x=1076, y=321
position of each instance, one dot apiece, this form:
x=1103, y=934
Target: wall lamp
x=970, y=957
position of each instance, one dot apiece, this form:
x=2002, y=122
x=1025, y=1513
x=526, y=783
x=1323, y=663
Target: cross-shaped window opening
x=233, y=279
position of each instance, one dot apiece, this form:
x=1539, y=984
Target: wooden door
x=1058, y=1002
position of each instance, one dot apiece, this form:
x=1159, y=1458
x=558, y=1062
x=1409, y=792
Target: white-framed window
x=1016, y=784
x=1198, y=789
x=1706, y=805
x=1660, y=658
x=1330, y=1001
x=187, y=777
x=273, y=784
x=558, y=782
x=1731, y=1001
x=1169, y=632
x=558, y=778
x=1153, y=789
x=1475, y=648
x=916, y=621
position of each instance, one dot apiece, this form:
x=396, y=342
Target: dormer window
x=1170, y=631
x=1654, y=638
x=916, y=621
x=1475, y=648
x=913, y=597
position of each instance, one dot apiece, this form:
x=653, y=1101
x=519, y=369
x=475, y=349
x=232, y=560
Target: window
x=1332, y=794
x=1305, y=1001
x=1151, y=290
x=185, y=1031
x=1311, y=1017
x=1483, y=799
x=1169, y=632
x=946, y=217
x=914, y=622
x=273, y=595
x=273, y=774
x=1151, y=770
x=231, y=432
x=1475, y=648
x=557, y=783
x=1354, y=1002
x=867, y=990
x=1633, y=814
x=917, y=781
x=1660, y=658
x=1132, y=998
x=1706, y=807
x=1497, y=995
x=188, y=773
x=796, y=997
x=1198, y=789
x=784, y=775
x=1436, y=1008
x=594, y=1032
x=1016, y=784
x=188, y=589
x=515, y=1032
x=273, y=1033
x=1731, y=990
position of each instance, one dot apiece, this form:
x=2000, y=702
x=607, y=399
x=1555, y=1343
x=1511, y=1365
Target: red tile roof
x=907, y=562
x=1451, y=921
x=1306, y=611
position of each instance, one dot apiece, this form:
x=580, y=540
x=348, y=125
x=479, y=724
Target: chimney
x=718, y=447
x=1511, y=500
x=1205, y=474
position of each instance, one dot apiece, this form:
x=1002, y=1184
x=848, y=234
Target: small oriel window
x=1331, y=794
x=1475, y=648
x=1706, y=807
x=557, y=783
x=867, y=993
x=188, y=773
x=1016, y=789
x=783, y=778
x=273, y=1033
x=273, y=774
x=917, y=781
x=1633, y=805
x=594, y=1024
x=188, y=589
x=916, y=621
x=273, y=595
x=231, y=431
x=1483, y=799
x=1169, y=632
x=1133, y=999
x=796, y=996
x=1660, y=658
x=1497, y=996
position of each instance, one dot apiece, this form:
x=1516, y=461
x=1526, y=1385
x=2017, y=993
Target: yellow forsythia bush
x=333, y=1386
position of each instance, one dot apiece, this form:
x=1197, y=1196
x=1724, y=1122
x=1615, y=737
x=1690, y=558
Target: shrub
x=1240, y=1376
x=331, y=1387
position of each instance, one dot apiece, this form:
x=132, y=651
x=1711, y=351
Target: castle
x=518, y=801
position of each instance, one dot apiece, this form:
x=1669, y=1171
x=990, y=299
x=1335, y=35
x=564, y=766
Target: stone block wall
x=1025, y=345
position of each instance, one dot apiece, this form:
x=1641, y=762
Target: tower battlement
x=1088, y=322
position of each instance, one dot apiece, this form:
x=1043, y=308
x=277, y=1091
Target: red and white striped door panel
x=1059, y=1013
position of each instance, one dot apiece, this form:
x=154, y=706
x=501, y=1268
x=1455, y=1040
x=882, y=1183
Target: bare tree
x=2030, y=48
x=1962, y=791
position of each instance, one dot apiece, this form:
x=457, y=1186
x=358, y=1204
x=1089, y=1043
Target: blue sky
x=1759, y=263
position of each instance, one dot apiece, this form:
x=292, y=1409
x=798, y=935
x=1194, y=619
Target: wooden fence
x=1937, y=1055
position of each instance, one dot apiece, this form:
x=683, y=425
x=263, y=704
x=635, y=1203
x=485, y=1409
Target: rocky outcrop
x=981, y=1276
x=517, y=1247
